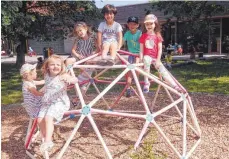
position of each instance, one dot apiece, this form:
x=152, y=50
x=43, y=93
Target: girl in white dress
x=55, y=100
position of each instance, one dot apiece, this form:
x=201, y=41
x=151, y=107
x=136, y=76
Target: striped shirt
x=32, y=103
x=86, y=47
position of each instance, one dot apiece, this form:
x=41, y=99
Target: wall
x=37, y=46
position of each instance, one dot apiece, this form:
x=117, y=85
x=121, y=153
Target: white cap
x=27, y=67
x=150, y=18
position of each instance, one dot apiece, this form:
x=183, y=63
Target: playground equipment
x=182, y=104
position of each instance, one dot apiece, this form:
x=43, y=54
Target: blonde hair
x=55, y=57
x=25, y=74
x=84, y=25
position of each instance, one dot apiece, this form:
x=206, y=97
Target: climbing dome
x=176, y=106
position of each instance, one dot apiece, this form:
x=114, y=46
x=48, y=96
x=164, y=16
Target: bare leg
x=129, y=79
x=113, y=50
x=49, y=126
x=41, y=124
x=166, y=76
x=105, y=50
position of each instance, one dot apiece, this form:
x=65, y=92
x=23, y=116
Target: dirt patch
x=121, y=133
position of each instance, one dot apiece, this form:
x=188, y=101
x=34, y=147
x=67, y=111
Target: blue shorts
x=131, y=59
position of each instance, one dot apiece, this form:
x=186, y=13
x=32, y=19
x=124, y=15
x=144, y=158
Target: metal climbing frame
x=87, y=110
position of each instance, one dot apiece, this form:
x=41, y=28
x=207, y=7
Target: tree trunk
x=193, y=53
x=21, y=50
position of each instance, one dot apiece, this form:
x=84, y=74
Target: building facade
x=216, y=39
x=176, y=32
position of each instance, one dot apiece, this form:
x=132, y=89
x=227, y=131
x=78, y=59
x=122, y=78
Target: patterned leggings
x=165, y=74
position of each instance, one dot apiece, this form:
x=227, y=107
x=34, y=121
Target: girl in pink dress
x=151, y=51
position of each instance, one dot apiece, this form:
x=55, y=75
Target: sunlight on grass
x=210, y=76
x=11, y=97
x=205, y=76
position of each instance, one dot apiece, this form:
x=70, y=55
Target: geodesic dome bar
x=87, y=110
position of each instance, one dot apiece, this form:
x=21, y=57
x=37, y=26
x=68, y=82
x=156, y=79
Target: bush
x=146, y=151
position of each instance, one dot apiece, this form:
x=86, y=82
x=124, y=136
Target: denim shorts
x=131, y=59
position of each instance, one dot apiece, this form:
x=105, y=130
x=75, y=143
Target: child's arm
x=41, y=82
x=34, y=91
x=119, y=40
x=96, y=44
x=99, y=40
x=69, y=79
x=141, y=52
x=42, y=90
x=158, y=61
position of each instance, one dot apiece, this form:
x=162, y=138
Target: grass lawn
x=210, y=76
x=11, y=90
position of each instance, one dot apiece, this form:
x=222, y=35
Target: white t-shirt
x=109, y=33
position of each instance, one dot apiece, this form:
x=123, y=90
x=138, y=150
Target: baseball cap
x=150, y=18
x=132, y=19
x=27, y=67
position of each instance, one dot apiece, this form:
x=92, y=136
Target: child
x=109, y=35
x=168, y=60
x=131, y=37
x=55, y=100
x=85, y=45
x=151, y=50
x=32, y=97
x=180, y=50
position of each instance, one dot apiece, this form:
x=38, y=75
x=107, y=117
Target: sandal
x=46, y=146
x=110, y=62
x=102, y=62
x=128, y=92
x=75, y=101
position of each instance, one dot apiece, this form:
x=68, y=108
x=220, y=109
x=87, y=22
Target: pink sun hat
x=151, y=18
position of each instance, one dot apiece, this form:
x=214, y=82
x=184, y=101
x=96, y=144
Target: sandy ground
x=121, y=133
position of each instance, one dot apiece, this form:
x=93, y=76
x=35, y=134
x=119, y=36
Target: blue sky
x=101, y=3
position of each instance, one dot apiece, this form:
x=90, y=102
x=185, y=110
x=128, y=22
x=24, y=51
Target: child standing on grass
x=109, y=35
x=32, y=97
x=85, y=45
x=55, y=100
x=168, y=60
x=151, y=51
x=180, y=50
x=132, y=38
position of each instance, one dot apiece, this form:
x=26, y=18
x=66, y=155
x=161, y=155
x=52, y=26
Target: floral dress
x=55, y=100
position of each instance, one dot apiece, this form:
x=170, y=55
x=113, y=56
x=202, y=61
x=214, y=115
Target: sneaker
x=146, y=88
x=128, y=93
x=46, y=146
x=102, y=62
x=110, y=62
x=110, y=110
